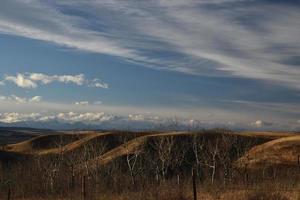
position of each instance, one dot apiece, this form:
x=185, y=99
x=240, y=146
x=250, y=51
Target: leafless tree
x=164, y=146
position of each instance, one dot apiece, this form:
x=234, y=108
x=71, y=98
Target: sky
x=214, y=63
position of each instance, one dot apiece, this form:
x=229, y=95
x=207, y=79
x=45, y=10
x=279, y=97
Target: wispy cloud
x=20, y=100
x=32, y=80
x=82, y=103
x=219, y=37
x=98, y=84
x=46, y=79
x=86, y=103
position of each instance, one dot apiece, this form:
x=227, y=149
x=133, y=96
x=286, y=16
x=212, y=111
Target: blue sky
x=220, y=62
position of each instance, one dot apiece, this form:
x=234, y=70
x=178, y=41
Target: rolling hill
x=279, y=152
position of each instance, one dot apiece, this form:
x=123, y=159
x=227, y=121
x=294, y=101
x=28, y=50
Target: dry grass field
x=152, y=165
x=278, y=152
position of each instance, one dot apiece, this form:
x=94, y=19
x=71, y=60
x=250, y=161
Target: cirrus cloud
x=218, y=37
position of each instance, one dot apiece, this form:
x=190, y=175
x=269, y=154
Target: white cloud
x=136, y=117
x=69, y=117
x=145, y=118
x=36, y=99
x=21, y=81
x=18, y=117
x=86, y=103
x=2, y=83
x=46, y=79
x=73, y=117
x=37, y=20
x=208, y=41
x=82, y=103
x=20, y=100
x=98, y=84
x=84, y=117
x=257, y=123
x=31, y=80
x=260, y=123
x=133, y=120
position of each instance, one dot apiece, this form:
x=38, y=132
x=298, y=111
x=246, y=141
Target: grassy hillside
x=283, y=152
x=130, y=165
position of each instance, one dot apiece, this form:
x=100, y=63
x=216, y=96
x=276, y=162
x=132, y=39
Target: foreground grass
x=174, y=192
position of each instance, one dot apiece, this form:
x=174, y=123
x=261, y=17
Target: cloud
x=257, y=123
x=86, y=103
x=32, y=80
x=260, y=123
x=18, y=117
x=67, y=117
x=135, y=121
x=218, y=37
x=136, y=117
x=39, y=20
x=98, y=84
x=82, y=103
x=36, y=99
x=21, y=81
x=46, y=79
x=95, y=118
x=2, y=83
x=21, y=100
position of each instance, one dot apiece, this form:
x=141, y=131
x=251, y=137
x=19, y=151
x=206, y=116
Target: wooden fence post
x=299, y=162
x=9, y=192
x=73, y=178
x=84, y=187
x=194, y=184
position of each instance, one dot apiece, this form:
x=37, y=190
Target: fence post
x=9, y=192
x=73, y=178
x=299, y=162
x=194, y=184
x=84, y=187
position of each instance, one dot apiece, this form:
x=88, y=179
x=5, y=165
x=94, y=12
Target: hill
x=276, y=153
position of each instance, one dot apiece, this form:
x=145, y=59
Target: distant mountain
x=133, y=125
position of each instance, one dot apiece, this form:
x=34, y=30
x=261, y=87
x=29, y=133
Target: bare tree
x=164, y=146
x=209, y=157
x=198, y=147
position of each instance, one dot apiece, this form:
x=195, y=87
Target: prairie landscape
x=149, y=99
x=175, y=165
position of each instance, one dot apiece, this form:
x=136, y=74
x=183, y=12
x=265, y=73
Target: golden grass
x=266, y=134
x=45, y=143
x=127, y=148
x=283, y=148
x=73, y=145
x=278, y=152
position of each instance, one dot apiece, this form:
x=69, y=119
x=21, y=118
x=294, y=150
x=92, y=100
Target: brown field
x=152, y=165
